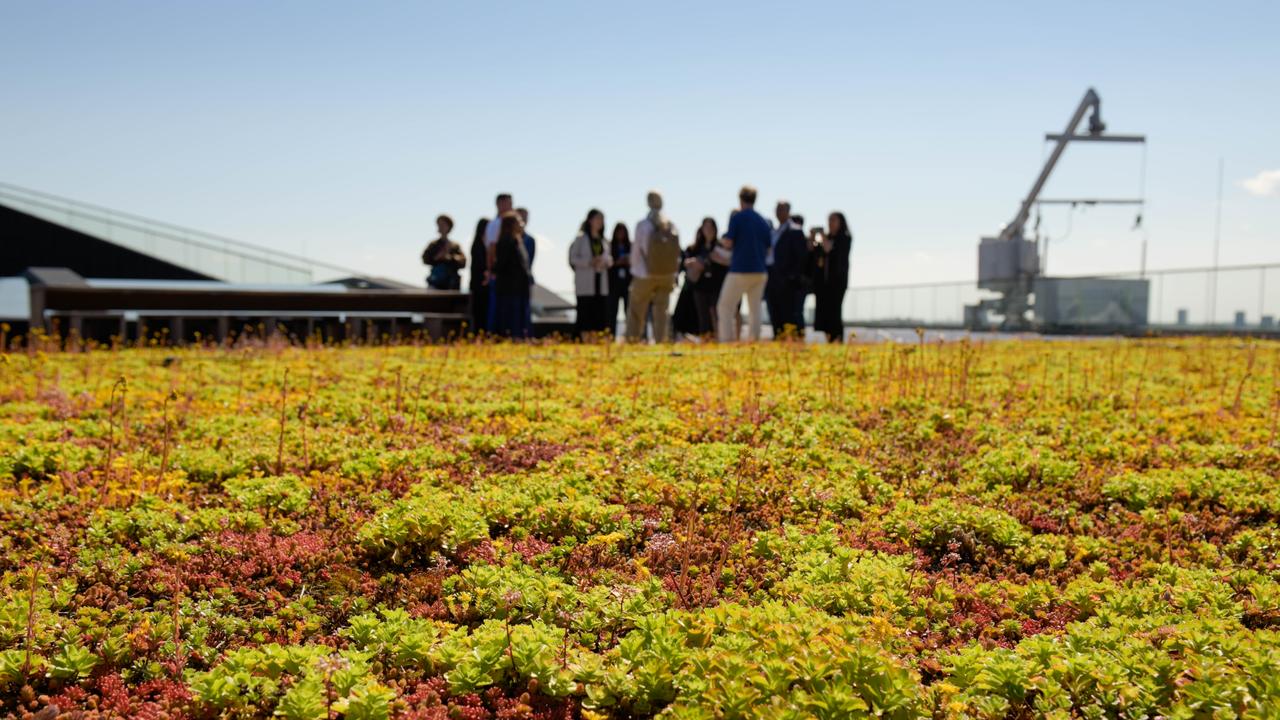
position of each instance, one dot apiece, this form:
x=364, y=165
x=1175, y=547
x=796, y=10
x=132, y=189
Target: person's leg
x=755, y=298
x=624, y=299
x=599, y=304
x=624, y=302
x=587, y=316
x=820, y=311
x=605, y=325
x=632, y=322
x=837, y=314
x=527, y=324
x=715, y=309
x=777, y=316
x=703, y=306
x=492, y=323
x=641, y=297
x=825, y=322
x=479, y=309
x=612, y=306
x=727, y=307
x=510, y=316
x=776, y=302
x=499, y=312
x=798, y=310
x=709, y=298
x=661, y=310
x=648, y=310
x=581, y=324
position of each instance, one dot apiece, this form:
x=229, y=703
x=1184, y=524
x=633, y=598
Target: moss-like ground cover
x=1011, y=530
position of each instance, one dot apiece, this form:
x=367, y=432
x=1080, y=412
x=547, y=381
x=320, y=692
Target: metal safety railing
x=1228, y=297
x=219, y=257
x=1243, y=296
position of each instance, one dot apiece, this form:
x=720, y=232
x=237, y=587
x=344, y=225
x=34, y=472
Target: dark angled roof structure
x=28, y=241
x=196, y=253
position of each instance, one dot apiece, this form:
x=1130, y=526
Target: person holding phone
x=831, y=251
x=706, y=265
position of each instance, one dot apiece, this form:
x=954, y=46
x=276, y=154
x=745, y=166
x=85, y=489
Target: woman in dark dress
x=684, y=318
x=705, y=270
x=478, y=288
x=831, y=276
x=511, y=277
x=619, y=275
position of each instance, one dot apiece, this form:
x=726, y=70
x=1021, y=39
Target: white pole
x=1142, y=211
x=1217, y=244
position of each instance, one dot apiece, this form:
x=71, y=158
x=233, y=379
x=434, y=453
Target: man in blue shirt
x=748, y=237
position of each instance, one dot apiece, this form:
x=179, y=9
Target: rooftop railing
x=1242, y=296
x=1228, y=297
x=213, y=255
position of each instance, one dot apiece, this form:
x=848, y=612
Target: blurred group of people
x=501, y=281
x=766, y=265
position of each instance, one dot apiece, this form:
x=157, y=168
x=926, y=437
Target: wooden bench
x=62, y=302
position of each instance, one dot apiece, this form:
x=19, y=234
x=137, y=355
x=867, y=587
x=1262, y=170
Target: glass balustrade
x=218, y=257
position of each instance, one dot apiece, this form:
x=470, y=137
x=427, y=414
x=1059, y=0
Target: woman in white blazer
x=590, y=259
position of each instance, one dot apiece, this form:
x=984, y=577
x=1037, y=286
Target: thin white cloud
x=1264, y=184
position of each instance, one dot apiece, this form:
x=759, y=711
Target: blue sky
x=340, y=130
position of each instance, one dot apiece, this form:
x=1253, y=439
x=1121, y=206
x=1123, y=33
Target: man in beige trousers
x=748, y=236
x=655, y=261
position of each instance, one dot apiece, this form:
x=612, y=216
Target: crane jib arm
x=1090, y=100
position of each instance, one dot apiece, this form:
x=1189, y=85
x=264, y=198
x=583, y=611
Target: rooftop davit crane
x=1009, y=263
